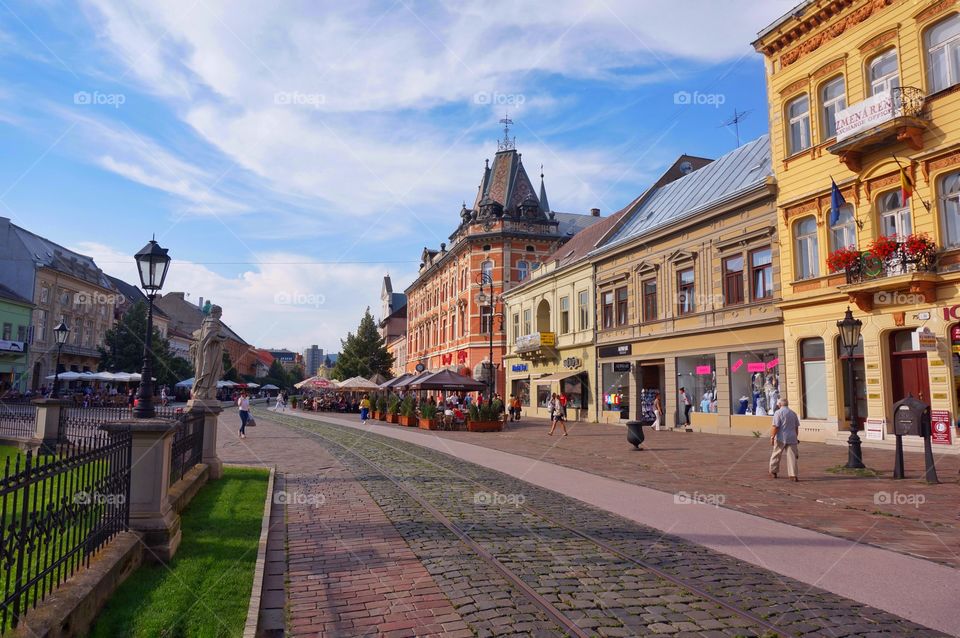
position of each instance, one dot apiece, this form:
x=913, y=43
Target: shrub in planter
x=843, y=259
x=485, y=417
x=393, y=408
x=428, y=413
x=408, y=411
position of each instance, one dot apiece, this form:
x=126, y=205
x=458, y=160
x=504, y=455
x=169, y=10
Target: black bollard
x=930, y=470
x=898, y=459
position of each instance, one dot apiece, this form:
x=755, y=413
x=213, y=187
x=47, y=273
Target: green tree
x=363, y=354
x=229, y=372
x=123, y=349
x=296, y=375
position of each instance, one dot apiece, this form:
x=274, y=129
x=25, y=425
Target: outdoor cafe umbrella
x=316, y=383
x=377, y=379
x=357, y=384
x=394, y=381
x=66, y=376
x=269, y=386
x=407, y=383
x=447, y=381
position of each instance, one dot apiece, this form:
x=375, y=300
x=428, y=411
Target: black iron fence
x=57, y=511
x=187, y=445
x=18, y=420
x=78, y=423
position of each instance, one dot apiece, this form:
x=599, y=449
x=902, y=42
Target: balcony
x=536, y=345
x=890, y=273
x=892, y=116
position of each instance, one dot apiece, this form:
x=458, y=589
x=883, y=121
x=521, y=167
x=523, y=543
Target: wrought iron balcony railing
x=902, y=260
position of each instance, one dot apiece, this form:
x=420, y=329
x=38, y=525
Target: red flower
x=843, y=259
x=919, y=245
x=883, y=247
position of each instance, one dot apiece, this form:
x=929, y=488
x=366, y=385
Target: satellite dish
x=686, y=167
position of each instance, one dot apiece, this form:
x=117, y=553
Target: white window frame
x=886, y=82
x=902, y=222
x=845, y=228
x=523, y=270
x=800, y=122
x=564, y=315
x=949, y=204
x=809, y=245
x=950, y=49
x=830, y=107
x=583, y=309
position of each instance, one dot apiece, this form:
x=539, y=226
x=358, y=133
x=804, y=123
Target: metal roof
x=733, y=174
x=52, y=255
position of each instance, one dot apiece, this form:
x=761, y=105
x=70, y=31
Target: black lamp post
x=485, y=279
x=152, y=262
x=850, y=339
x=60, y=334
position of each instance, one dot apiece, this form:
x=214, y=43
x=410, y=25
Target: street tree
x=364, y=353
x=123, y=349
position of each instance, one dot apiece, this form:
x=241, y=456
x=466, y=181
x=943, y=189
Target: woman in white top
x=243, y=403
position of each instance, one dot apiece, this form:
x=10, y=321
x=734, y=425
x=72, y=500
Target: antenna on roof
x=738, y=116
x=508, y=143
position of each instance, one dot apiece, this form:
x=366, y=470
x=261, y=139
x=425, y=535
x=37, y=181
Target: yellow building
x=687, y=299
x=549, y=322
x=858, y=89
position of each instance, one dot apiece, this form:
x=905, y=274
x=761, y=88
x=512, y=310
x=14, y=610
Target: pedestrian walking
x=514, y=407
x=686, y=405
x=657, y=412
x=243, y=405
x=783, y=438
x=550, y=410
x=562, y=398
x=280, y=404
x=164, y=399
x=558, y=416
x=364, y=408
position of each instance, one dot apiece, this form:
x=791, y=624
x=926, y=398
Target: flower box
x=393, y=418
x=484, y=426
x=427, y=424
x=407, y=421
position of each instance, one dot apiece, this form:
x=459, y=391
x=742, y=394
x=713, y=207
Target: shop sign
x=446, y=359
x=614, y=351
x=571, y=362
x=737, y=365
x=865, y=114
x=875, y=429
x=519, y=367
x=535, y=341
x=708, y=370
x=940, y=422
x=461, y=356
x=951, y=313
x=11, y=346
x=756, y=367
x=622, y=366
x=773, y=363
x=924, y=340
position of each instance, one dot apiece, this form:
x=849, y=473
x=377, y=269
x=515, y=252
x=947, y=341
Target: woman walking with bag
x=558, y=415
x=243, y=403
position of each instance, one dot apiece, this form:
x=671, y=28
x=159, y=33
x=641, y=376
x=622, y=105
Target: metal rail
x=552, y=611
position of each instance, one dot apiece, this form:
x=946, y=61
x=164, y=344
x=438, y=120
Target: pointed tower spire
x=544, y=204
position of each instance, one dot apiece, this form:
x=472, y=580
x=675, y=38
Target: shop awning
x=558, y=376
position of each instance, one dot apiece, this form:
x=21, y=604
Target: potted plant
x=485, y=417
x=428, y=415
x=381, y=408
x=843, y=259
x=884, y=247
x=293, y=402
x=920, y=249
x=393, y=409
x=408, y=412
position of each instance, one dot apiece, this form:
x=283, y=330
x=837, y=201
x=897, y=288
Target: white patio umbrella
x=66, y=376
x=358, y=383
x=269, y=386
x=186, y=383
x=253, y=385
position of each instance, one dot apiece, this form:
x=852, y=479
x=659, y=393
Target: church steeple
x=544, y=205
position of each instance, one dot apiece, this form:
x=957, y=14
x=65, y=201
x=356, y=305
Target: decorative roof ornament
x=507, y=143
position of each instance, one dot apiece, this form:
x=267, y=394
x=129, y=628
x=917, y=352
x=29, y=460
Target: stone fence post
x=47, y=432
x=211, y=411
x=151, y=511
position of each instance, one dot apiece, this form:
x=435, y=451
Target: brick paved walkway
x=924, y=523
x=349, y=572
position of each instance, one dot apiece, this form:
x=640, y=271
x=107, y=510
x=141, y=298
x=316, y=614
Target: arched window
x=843, y=232
x=942, y=42
x=486, y=268
x=832, y=99
x=948, y=192
x=894, y=215
x=882, y=72
x=798, y=118
x=813, y=370
x=543, y=316
x=523, y=270
x=807, y=248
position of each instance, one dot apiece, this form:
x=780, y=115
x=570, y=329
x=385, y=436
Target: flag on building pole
x=836, y=202
x=906, y=185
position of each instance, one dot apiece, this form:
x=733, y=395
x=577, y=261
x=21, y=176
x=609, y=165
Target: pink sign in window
x=737, y=365
x=773, y=363
x=756, y=367
x=704, y=370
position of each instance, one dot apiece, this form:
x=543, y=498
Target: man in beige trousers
x=783, y=438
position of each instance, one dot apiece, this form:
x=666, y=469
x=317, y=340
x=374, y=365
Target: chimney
x=595, y=212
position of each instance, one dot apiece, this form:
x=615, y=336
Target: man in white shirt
x=783, y=438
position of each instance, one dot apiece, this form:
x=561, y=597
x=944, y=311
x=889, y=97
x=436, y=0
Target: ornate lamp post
x=485, y=279
x=849, y=339
x=152, y=262
x=60, y=334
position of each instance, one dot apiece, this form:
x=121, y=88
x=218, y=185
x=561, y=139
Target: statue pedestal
x=211, y=409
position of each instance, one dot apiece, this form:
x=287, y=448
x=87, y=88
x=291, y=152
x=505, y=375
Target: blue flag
x=836, y=202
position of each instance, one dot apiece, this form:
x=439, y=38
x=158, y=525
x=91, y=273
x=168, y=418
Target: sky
x=290, y=154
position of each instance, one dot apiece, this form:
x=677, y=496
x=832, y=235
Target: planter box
x=484, y=426
x=408, y=421
x=428, y=424
x=381, y=416
x=374, y=415
x=392, y=418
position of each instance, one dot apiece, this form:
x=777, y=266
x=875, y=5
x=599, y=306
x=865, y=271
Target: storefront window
x=575, y=390
x=543, y=394
x=697, y=375
x=520, y=388
x=754, y=382
x=616, y=384
x=813, y=370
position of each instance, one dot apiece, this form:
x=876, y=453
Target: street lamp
x=850, y=339
x=152, y=262
x=60, y=334
x=486, y=279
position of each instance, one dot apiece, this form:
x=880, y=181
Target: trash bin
x=635, y=433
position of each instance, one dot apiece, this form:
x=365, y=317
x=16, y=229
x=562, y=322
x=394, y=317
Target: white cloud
x=288, y=300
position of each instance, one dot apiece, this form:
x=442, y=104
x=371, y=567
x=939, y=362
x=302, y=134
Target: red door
x=908, y=369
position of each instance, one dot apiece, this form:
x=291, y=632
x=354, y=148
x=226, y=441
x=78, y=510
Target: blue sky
x=289, y=155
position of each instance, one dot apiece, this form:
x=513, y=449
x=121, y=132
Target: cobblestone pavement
x=349, y=572
x=905, y=516
x=548, y=541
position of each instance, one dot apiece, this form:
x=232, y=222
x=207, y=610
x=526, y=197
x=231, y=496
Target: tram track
x=370, y=451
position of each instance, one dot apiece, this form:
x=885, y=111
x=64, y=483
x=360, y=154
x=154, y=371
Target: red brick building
x=508, y=232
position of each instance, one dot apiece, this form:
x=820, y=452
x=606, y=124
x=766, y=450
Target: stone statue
x=207, y=355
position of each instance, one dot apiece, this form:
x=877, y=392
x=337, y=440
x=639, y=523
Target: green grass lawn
x=205, y=590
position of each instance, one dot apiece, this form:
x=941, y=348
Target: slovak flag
x=906, y=185
x=836, y=202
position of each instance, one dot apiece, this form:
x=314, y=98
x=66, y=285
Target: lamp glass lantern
x=849, y=330
x=152, y=262
x=61, y=332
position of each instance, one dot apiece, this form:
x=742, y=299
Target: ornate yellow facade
x=857, y=90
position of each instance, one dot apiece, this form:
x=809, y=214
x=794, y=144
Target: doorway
x=908, y=368
x=652, y=376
